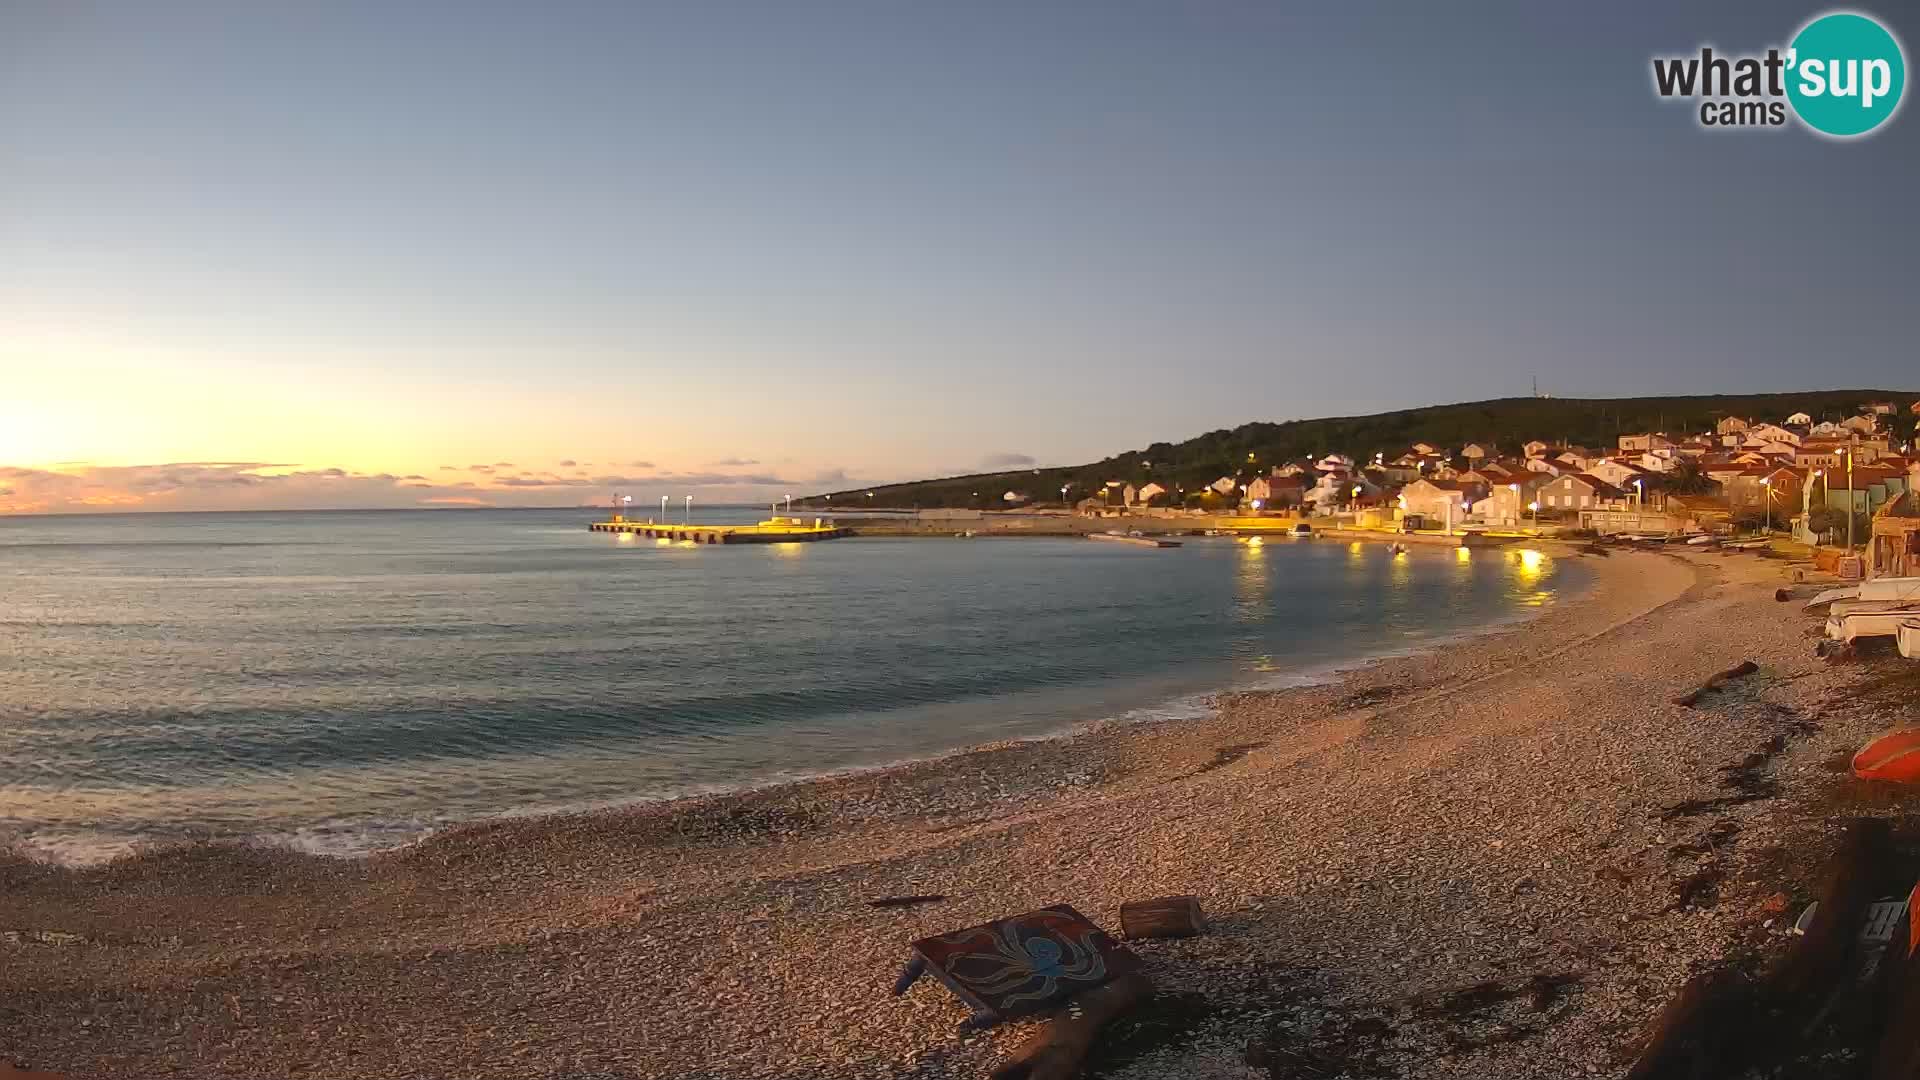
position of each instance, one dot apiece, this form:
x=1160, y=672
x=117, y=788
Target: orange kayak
x=1892, y=756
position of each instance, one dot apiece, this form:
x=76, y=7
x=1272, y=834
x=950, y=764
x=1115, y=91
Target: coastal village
x=1823, y=482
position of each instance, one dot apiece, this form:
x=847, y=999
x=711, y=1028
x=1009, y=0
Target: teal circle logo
x=1845, y=74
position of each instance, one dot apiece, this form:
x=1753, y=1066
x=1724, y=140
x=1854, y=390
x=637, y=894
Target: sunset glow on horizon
x=755, y=250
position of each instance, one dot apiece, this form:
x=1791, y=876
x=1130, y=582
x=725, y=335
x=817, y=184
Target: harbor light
x=1463, y=553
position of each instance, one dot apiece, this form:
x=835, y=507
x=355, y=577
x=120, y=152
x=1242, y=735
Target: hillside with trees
x=1251, y=448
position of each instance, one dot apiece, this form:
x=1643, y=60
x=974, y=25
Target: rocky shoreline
x=1497, y=859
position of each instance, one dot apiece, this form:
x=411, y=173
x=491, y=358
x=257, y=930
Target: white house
x=1656, y=461
x=1507, y=504
x=1549, y=467
x=1730, y=425
x=1014, y=498
x=1799, y=418
x=1616, y=471
x=1272, y=492
x=1535, y=449
x=1580, y=491
x=1150, y=492
x=1759, y=434
x=1864, y=424
x=1577, y=456
x=1473, y=451
x=1439, y=500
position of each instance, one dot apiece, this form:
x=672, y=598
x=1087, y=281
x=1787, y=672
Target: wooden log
x=1691, y=1039
x=1740, y=670
x=1166, y=916
x=1060, y=1048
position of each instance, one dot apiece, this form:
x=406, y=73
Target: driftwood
x=1740, y=670
x=1060, y=1048
x=1167, y=916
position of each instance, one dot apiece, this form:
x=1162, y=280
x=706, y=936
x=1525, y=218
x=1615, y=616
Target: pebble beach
x=1496, y=859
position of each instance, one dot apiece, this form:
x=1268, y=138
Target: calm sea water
x=346, y=681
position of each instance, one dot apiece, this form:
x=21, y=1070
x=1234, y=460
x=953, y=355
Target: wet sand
x=1503, y=812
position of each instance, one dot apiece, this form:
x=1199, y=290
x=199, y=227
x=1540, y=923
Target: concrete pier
x=781, y=531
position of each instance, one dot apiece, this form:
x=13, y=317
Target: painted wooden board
x=1024, y=964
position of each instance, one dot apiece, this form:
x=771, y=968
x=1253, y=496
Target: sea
x=345, y=682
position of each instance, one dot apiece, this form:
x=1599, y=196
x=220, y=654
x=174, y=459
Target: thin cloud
x=568, y=463
x=1005, y=460
x=243, y=485
x=735, y=463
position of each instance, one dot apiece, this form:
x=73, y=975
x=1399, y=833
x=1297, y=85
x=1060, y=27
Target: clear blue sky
x=888, y=239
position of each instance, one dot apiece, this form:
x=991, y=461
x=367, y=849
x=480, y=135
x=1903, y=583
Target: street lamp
x=689, y=509
x=663, y=509
x=1850, y=498
x=1826, y=493
x=1535, y=507
x=789, y=504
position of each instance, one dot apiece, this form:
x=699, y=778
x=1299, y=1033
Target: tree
x=1832, y=521
x=1686, y=478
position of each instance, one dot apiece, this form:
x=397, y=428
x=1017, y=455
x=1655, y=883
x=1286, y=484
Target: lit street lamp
x=689, y=509
x=663, y=509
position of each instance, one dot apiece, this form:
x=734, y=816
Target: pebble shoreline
x=1494, y=860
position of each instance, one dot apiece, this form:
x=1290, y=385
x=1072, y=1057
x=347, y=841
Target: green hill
x=1506, y=422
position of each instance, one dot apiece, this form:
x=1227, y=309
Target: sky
x=373, y=254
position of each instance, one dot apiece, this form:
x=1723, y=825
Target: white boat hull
x=1908, y=637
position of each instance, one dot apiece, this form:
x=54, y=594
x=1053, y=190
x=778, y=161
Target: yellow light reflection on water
x=1463, y=553
x=1250, y=599
x=626, y=538
x=789, y=550
x=661, y=541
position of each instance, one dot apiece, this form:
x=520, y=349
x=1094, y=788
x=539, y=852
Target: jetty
x=775, y=530
x=1137, y=541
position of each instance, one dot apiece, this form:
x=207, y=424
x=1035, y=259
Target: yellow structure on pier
x=774, y=530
